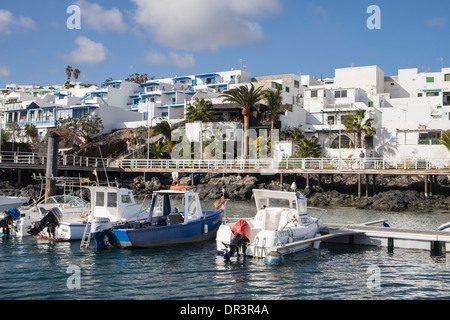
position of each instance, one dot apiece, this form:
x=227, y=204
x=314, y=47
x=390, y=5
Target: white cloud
x=180, y=60
x=436, y=23
x=4, y=72
x=195, y=25
x=8, y=22
x=87, y=51
x=96, y=17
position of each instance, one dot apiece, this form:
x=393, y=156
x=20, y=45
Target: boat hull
x=263, y=242
x=149, y=237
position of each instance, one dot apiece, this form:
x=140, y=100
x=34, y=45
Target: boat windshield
x=69, y=201
x=166, y=203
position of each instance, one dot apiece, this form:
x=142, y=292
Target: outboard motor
x=51, y=220
x=12, y=214
x=240, y=238
x=100, y=229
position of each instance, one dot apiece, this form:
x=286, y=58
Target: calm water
x=40, y=269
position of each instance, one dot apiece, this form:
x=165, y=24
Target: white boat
x=7, y=202
x=116, y=204
x=281, y=226
x=72, y=208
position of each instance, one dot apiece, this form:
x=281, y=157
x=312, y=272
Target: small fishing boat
x=7, y=202
x=112, y=202
x=72, y=208
x=281, y=226
x=175, y=217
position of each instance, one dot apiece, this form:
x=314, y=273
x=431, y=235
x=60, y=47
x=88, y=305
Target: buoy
x=316, y=245
x=274, y=258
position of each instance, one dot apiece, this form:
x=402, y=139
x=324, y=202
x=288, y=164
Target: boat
x=175, y=217
x=112, y=202
x=34, y=219
x=281, y=226
x=7, y=202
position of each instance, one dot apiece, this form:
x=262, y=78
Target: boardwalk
x=36, y=161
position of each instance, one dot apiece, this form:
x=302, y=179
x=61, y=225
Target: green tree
x=157, y=150
x=356, y=122
x=69, y=70
x=79, y=130
x=76, y=73
x=30, y=132
x=201, y=110
x=445, y=139
x=274, y=102
x=246, y=97
x=295, y=134
x=309, y=148
x=165, y=129
x=13, y=130
x=137, y=78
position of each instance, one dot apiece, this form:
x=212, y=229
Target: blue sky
x=179, y=37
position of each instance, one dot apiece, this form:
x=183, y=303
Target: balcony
x=429, y=141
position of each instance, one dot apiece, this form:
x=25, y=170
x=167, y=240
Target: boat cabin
x=278, y=209
x=174, y=207
x=114, y=203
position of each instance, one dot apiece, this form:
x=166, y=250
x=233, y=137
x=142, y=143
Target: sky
x=116, y=38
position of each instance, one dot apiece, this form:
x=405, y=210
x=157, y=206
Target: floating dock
x=372, y=234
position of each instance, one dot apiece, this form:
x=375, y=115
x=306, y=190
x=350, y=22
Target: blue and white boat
x=175, y=217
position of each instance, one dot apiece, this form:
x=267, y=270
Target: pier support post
x=359, y=186
x=52, y=165
x=307, y=180
x=367, y=185
x=426, y=185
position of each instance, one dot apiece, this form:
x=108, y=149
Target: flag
x=219, y=203
x=95, y=172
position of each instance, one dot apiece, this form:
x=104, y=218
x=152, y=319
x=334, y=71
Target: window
x=112, y=199
x=330, y=120
x=447, y=77
x=287, y=89
x=433, y=94
x=430, y=79
x=99, y=199
x=340, y=94
x=297, y=84
x=420, y=95
x=314, y=94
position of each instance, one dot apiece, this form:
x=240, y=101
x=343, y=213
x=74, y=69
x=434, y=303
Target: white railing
x=268, y=164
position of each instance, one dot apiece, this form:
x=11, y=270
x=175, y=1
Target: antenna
x=104, y=168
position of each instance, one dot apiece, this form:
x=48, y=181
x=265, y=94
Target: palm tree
x=445, y=139
x=165, y=129
x=76, y=73
x=295, y=134
x=274, y=100
x=355, y=123
x=30, y=132
x=246, y=97
x=202, y=110
x=69, y=72
x=156, y=150
x=309, y=148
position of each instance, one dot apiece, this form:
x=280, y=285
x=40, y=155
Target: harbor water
x=37, y=269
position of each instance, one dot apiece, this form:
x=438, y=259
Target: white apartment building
x=410, y=112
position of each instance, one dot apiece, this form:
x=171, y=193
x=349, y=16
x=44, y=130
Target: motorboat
x=175, y=217
x=281, y=226
x=116, y=204
x=7, y=202
x=72, y=209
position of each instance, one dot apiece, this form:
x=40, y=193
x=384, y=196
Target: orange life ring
x=179, y=188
